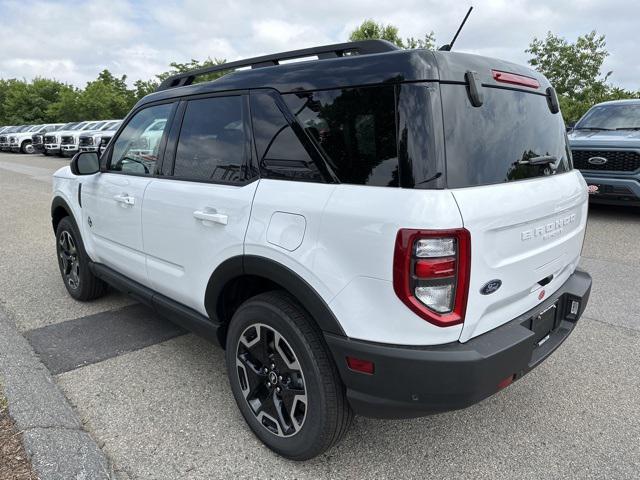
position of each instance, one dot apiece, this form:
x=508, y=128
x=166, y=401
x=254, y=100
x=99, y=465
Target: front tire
x=74, y=263
x=27, y=147
x=283, y=377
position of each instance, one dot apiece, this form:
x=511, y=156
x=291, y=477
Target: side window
x=136, y=148
x=212, y=145
x=356, y=130
x=280, y=153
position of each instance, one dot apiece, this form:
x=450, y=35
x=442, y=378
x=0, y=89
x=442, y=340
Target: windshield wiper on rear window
x=550, y=160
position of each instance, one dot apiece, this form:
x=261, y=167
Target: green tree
x=372, y=30
x=67, y=107
x=106, y=97
x=574, y=69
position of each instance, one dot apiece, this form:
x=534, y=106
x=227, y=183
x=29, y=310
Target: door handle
x=211, y=217
x=125, y=199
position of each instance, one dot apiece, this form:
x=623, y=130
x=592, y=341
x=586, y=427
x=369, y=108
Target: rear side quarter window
x=355, y=128
x=281, y=153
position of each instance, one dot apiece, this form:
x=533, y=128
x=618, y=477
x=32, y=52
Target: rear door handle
x=211, y=217
x=125, y=199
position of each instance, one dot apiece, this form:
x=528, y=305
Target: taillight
x=431, y=271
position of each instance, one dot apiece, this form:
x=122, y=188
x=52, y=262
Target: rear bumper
x=614, y=190
x=415, y=381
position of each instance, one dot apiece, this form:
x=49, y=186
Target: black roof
x=376, y=62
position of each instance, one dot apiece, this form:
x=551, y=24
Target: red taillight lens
x=431, y=273
x=514, y=79
x=436, y=268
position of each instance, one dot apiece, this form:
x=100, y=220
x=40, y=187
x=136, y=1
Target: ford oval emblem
x=597, y=160
x=491, y=287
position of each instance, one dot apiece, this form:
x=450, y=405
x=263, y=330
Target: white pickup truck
x=22, y=142
x=90, y=141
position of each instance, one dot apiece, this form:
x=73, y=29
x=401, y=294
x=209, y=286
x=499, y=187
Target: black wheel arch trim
x=277, y=273
x=57, y=203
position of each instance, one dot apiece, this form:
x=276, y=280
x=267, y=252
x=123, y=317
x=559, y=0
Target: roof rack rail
x=363, y=47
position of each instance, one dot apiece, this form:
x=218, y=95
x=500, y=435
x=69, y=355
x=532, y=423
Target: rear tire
x=74, y=263
x=283, y=377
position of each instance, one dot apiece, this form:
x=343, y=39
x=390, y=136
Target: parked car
x=6, y=137
x=37, y=139
x=16, y=138
x=379, y=233
x=605, y=144
x=53, y=141
x=69, y=140
x=91, y=141
x=23, y=142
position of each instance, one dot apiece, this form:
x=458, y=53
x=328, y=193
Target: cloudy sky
x=73, y=40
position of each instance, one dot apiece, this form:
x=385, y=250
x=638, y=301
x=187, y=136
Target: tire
x=73, y=262
x=26, y=147
x=316, y=414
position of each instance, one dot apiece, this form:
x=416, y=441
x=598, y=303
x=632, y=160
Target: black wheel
x=74, y=263
x=283, y=377
x=27, y=147
x=45, y=153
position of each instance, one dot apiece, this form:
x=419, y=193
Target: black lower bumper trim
x=415, y=381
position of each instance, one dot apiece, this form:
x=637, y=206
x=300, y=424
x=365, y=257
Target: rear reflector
x=359, y=365
x=506, y=382
x=514, y=79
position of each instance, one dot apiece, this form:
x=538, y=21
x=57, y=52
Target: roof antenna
x=449, y=46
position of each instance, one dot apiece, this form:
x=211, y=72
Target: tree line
x=573, y=68
x=44, y=100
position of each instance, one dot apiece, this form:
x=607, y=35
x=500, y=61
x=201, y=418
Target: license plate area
x=543, y=323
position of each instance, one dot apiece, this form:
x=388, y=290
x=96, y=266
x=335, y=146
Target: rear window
x=494, y=143
x=355, y=128
x=212, y=141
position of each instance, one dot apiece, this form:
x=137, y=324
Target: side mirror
x=85, y=163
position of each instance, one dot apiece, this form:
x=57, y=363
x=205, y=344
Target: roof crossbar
x=363, y=47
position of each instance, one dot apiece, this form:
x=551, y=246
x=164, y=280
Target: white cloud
x=73, y=40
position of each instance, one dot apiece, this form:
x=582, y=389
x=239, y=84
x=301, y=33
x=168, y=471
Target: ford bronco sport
x=382, y=232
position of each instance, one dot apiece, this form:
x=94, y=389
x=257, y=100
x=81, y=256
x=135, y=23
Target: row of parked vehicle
x=64, y=139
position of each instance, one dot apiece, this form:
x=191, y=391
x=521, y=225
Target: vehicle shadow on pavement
x=167, y=411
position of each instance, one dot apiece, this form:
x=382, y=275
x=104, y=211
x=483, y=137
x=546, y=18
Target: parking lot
x=157, y=400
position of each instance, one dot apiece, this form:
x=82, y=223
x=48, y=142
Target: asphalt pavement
x=157, y=402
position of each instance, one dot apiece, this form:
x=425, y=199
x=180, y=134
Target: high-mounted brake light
x=431, y=271
x=515, y=79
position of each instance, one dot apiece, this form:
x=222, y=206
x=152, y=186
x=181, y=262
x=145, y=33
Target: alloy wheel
x=271, y=380
x=69, y=262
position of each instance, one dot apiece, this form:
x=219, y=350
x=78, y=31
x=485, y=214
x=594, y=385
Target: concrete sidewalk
x=53, y=435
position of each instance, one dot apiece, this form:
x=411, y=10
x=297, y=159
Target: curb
x=53, y=436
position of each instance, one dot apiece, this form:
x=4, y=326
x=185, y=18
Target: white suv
x=390, y=233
